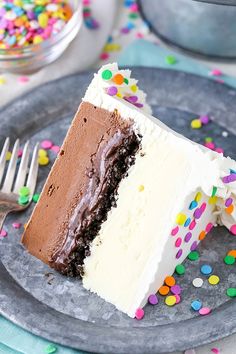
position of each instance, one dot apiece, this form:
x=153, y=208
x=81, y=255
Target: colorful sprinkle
x=175, y=289
x=202, y=235
x=43, y=161
x=3, y=233
x=16, y=225
x=192, y=225
x=197, y=282
x=139, y=314
x=233, y=229
x=170, y=281
x=55, y=148
x=170, y=59
x=209, y=227
x=198, y=197
x=106, y=74
x=175, y=231
x=187, y=237
x=204, y=119
x=232, y=253
x=24, y=191
x=178, y=299
x=196, y=124
x=180, y=269
x=215, y=350
x=112, y=90
x=193, y=246
x=231, y=292
x=50, y=349
x=180, y=219
x=23, y=200
x=179, y=253
x=46, y=144
x=229, y=260
x=153, y=299
x=36, y=197
x=187, y=222
x=170, y=300
x=164, y=290
x=196, y=305
x=118, y=79
x=228, y=202
x=204, y=311
x=213, y=279
x=178, y=242
x=206, y=269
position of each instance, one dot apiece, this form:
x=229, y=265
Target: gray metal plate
x=63, y=311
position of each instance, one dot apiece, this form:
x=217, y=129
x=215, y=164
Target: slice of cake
x=127, y=198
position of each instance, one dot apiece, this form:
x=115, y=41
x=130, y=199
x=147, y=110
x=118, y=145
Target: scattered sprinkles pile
x=26, y=22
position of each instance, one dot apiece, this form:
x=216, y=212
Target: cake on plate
x=127, y=198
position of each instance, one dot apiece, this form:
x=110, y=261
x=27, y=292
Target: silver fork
x=26, y=176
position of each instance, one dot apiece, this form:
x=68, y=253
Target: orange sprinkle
x=202, y=235
x=164, y=290
x=118, y=79
x=230, y=209
x=232, y=253
x=170, y=281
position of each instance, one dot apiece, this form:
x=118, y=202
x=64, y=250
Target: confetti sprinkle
x=23, y=79
x=170, y=59
x=215, y=350
x=196, y=124
x=170, y=281
x=213, y=279
x=24, y=191
x=43, y=160
x=16, y=225
x=50, y=349
x=175, y=289
x=233, y=229
x=204, y=119
x=197, y=282
x=46, y=144
x=164, y=290
x=180, y=269
x=36, y=197
x=3, y=233
x=196, y=305
x=139, y=314
x=181, y=218
x=170, y=300
x=232, y=253
x=193, y=256
x=55, y=148
x=204, y=311
x=231, y=292
x=153, y=299
x=23, y=200
x=216, y=72
x=229, y=260
x=206, y=269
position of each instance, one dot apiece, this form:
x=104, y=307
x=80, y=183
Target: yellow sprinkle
x=181, y=218
x=37, y=39
x=134, y=88
x=43, y=160
x=196, y=124
x=141, y=188
x=198, y=197
x=213, y=279
x=8, y=156
x=119, y=95
x=111, y=47
x=213, y=200
x=43, y=20
x=170, y=300
x=42, y=153
x=2, y=80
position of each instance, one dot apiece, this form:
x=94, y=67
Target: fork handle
x=3, y=214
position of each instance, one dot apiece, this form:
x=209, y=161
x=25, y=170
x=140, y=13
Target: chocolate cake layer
x=81, y=188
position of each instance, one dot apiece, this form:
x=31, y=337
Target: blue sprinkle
x=232, y=171
x=109, y=39
x=193, y=205
x=11, y=40
x=130, y=25
x=196, y=305
x=206, y=269
x=187, y=222
x=128, y=3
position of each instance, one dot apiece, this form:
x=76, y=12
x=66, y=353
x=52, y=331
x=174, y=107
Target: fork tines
x=20, y=176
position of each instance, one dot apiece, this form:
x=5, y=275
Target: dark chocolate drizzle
x=109, y=165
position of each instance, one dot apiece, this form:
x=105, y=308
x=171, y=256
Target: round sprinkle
x=231, y=292
x=175, y=231
x=193, y=256
x=170, y=59
x=170, y=281
x=202, y=235
x=46, y=144
x=188, y=237
x=193, y=205
x=187, y=222
x=215, y=350
x=225, y=134
x=209, y=227
x=196, y=124
x=112, y=91
x=3, y=233
x=192, y=225
x=193, y=246
x=153, y=299
x=180, y=219
x=55, y=148
x=175, y=289
x=139, y=314
x=170, y=300
x=16, y=225
x=50, y=349
x=204, y=119
x=197, y=282
x=24, y=191
x=178, y=299
x=23, y=200
x=233, y=229
x=180, y=269
x=179, y=253
x=164, y=290
x=232, y=253
x=106, y=74
x=213, y=279
x=196, y=305
x=36, y=197
x=229, y=260
x=42, y=153
x=43, y=161
x=206, y=269
x=178, y=242
x=204, y=311
x=118, y=79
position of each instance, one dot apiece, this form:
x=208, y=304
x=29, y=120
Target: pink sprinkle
x=175, y=231
x=209, y=227
x=46, y=144
x=139, y=35
x=23, y=79
x=233, y=229
x=104, y=56
x=139, y=314
x=3, y=233
x=134, y=7
x=178, y=242
x=86, y=2
x=204, y=311
x=192, y=225
x=178, y=298
x=216, y=72
x=20, y=152
x=204, y=120
x=203, y=207
x=219, y=150
x=210, y=145
x=175, y=289
x=55, y=148
x=16, y=225
x=215, y=350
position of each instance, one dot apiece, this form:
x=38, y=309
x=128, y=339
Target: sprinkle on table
x=170, y=281
x=196, y=305
x=213, y=279
x=170, y=59
x=206, y=269
x=215, y=350
x=204, y=311
x=46, y=144
x=193, y=256
x=170, y=300
x=50, y=349
x=139, y=314
x=24, y=191
x=164, y=290
x=231, y=292
x=197, y=282
x=16, y=225
x=232, y=253
x=180, y=269
x=153, y=299
x=36, y=197
x=229, y=260
x=196, y=124
x=3, y=233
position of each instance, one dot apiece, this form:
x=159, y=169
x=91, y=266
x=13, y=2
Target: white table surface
x=79, y=56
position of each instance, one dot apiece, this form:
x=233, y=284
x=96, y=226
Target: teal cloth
x=15, y=340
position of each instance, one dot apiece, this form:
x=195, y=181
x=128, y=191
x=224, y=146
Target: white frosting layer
x=134, y=251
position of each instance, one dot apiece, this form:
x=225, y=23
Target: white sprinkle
x=197, y=282
x=225, y=134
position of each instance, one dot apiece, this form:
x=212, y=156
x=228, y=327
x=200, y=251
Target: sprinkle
x=2, y=79
x=106, y=74
x=8, y=156
x=213, y=279
x=43, y=161
x=170, y=300
x=24, y=191
x=170, y=59
x=215, y=350
x=178, y=242
x=112, y=90
x=231, y=292
x=104, y=56
x=50, y=349
x=233, y=229
x=209, y=227
x=23, y=79
x=118, y=79
x=213, y=200
x=228, y=202
x=229, y=260
x=232, y=253
x=225, y=134
x=193, y=256
x=153, y=299
x=196, y=124
x=141, y=188
x=3, y=233
x=170, y=281
x=175, y=231
x=139, y=314
x=197, y=213
x=193, y=246
x=219, y=150
x=23, y=200
x=210, y=145
x=206, y=269
x=192, y=225
x=204, y=119
x=36, y=197
x=180, y=219
x=187, y=237
x=179, y=253
x=42, y=153
x=197, y=282
x=202, y=235
x=164, y=290
x=178, y=298
x=46, y=144
x=55, y=148
x=180, y=269
x=230, y=178
x=196, y=305
x=16, y=225
x=198, y=197
x=187, y=222
x=216, y=72
x=204, y=311
x=175, y=289
x=230, y=209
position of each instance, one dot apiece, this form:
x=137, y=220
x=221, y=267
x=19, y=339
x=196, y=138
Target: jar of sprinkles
x=34, y=33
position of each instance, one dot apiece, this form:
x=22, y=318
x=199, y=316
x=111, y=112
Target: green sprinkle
x=229, y=260
x=214, y=190
x=50, y=349
x=170, y=59
x=180, y=269
x=106, y=74
x=208, y=139
x=24, y=191
x=126, y=81
x=193, y=256
x=231, y=292
x=23, y=200
x=133, y=15
x=36, y=197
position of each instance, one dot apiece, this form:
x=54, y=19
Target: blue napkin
x=15, y=340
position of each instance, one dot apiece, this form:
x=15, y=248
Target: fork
x=26, y=176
